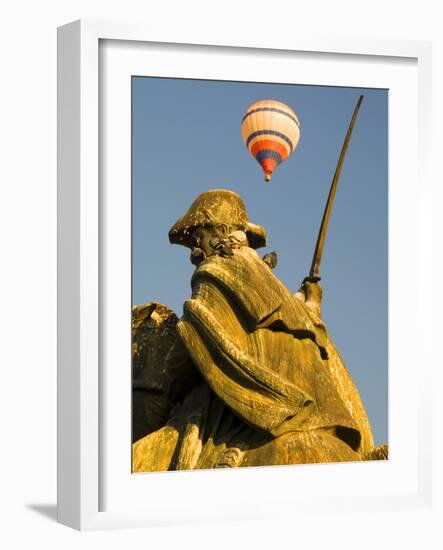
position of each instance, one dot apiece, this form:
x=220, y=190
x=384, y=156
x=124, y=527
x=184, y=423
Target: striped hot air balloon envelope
x=270, y=130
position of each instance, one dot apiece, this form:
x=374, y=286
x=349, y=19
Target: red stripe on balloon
x=269, y=144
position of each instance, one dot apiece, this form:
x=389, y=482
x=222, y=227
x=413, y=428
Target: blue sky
x=186, y=140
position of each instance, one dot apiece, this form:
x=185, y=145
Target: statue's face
x=202, y=237
x=201, y=247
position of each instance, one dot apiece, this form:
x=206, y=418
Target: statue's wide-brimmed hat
x=216, y=207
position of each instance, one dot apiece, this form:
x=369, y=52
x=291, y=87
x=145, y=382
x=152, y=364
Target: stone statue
x=249, y=376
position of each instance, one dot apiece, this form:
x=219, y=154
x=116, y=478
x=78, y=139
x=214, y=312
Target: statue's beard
x=198, y=255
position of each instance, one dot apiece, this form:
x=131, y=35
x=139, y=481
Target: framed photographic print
x=265, y=356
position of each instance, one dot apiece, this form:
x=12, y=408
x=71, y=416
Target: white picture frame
x=82, y=260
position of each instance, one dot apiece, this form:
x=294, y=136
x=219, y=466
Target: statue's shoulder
x=244, y=262
x=242, y=272
x=245, y=280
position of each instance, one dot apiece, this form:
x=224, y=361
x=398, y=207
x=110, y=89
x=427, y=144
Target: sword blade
x=316, y=260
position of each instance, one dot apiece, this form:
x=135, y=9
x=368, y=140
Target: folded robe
x=260, y=350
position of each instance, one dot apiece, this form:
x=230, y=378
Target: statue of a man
x=249, y=370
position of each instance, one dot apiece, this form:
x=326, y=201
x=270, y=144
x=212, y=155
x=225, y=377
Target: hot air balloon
x=270, y=130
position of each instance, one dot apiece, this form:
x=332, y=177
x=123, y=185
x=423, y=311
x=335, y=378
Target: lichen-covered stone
x=153, y=334
x=378, y=453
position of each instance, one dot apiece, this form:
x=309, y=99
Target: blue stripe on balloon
x=272, y=133
x=273, y=109
x=268, y=154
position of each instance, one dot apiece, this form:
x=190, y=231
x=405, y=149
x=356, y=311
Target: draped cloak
x=251, y=364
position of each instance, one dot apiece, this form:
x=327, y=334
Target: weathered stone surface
x=153, y=334
x=350, y=396
x=311, y=295
x=378, y=453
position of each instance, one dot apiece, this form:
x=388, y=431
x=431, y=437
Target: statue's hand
x=311, y=279
x=313, y=294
